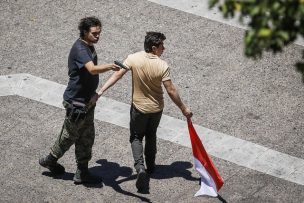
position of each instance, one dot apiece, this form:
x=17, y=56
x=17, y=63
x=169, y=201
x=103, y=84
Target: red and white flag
x=211, y=181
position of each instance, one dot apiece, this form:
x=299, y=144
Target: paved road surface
x=249, y=113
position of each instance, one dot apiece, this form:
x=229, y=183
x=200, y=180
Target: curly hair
x=86, y=23
x=153, y=39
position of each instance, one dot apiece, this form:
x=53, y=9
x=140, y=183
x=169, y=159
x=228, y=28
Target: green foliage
x=272, y=24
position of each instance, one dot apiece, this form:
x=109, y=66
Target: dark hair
x=153, y=39
x=86, y=23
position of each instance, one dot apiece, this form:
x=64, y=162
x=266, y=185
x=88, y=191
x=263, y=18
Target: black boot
x=83, y=176
x=141, y=182
x=50, y=162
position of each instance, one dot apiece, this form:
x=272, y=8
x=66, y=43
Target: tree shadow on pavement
x=110, y=172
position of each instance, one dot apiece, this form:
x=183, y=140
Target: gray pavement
x=256, y=101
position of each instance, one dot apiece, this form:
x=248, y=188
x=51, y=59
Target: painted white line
x=200, y=8
x=220, y=145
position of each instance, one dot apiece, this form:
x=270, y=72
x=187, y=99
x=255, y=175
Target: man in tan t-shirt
x=149, y=72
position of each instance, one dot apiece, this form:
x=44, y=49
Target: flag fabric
x=211, y=181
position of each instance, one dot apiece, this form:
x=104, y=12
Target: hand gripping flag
x=211, y=181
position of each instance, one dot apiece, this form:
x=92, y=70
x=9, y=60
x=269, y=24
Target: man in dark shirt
x=79, y=102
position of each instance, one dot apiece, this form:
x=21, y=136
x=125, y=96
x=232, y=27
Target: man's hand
x=99, y=93
x=93, y=99
x=115, y=67
x=187, y=112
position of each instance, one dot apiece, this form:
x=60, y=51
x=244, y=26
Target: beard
x=95, y=40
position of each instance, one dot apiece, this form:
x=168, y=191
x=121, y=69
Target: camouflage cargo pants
x=81, y=133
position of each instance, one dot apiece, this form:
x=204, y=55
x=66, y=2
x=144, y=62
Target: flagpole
x=221, y=198
x=188, y=96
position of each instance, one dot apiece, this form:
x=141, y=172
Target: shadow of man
x=69, y=176
x=110, y=171
x=176, y=169
x=65, y=176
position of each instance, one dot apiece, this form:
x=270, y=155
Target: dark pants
x=143, y=125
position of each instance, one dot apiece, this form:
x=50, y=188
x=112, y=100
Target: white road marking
x=220, y=145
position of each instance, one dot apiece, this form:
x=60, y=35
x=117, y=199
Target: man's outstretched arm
x=173, y=93
x=111, y=81
x=97, y=69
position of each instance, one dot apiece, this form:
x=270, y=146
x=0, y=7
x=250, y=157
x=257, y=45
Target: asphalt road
x=260, y=102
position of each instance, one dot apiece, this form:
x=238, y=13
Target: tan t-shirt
x=148, y=73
